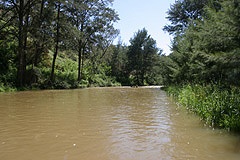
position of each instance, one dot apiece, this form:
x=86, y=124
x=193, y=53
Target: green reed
x=218, y=106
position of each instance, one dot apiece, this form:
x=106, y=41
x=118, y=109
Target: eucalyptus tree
x=118, y=63
x=100, y=46
x=58, y=6
x=43, y=16
x=17, y=14
x=90, y=19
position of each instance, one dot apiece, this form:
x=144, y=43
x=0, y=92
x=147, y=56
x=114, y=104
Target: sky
x=138, y=14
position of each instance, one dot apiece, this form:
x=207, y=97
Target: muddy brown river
x=106, y=124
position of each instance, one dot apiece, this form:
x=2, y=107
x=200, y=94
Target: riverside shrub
x=218, y=106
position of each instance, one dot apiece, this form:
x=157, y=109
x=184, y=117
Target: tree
x=208, y=49
x=18, y=10
x=57, y=40
x=119, y=62
x=21, y=16
x=93, y=23
x=36, y=27
x=218, y=39
x=141, y=55
x=184, y=12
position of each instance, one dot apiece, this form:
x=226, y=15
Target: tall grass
x=218, y=106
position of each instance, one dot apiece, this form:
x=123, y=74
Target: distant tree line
x=138, y=63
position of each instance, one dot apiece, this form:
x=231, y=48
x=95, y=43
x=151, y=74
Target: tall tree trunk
x=138, y=82
x=79, y=62
x=39, y=37
x=80, y=55
x=25, y=36
x=83, y=53
x=21, y=62
x=56, y=48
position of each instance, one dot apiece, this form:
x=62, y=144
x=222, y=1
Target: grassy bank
x=217, y=105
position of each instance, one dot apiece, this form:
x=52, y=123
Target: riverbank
x=10, y=88
x=217, y=105
x=117, y=85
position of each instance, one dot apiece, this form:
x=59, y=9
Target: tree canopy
x=34, y=27
x=141, y=54
x=207, y=48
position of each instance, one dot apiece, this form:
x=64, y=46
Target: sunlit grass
x=218, y=106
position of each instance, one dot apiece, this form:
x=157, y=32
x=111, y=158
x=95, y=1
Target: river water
x=106, y=124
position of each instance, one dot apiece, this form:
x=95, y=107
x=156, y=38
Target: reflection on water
x=106, y=124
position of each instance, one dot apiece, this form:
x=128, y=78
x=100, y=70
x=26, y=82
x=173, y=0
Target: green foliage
x=100, y=78
x=141, y=56
x=7, y=88
x=81, y=30
x=217, y=105
x=184, y=13
x=7, y=56
x=208, y=48
x=118, y=63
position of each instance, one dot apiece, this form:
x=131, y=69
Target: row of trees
x=206, y=44
x=205, y=47
x=62, y=44
x=30, y=28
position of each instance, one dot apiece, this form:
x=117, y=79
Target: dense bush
x=66, y=74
